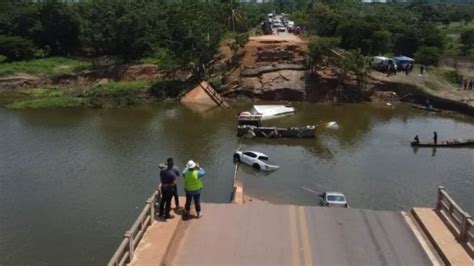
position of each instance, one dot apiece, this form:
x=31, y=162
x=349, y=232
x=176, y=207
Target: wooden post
x=440, y=196
x=464, y=227
x=151, y=202
x=129, y=235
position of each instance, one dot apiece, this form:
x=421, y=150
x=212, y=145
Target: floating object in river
x=332, y=125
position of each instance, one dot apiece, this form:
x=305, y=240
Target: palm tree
x=232, y=13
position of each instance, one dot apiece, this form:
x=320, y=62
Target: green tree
x=321, y=50
x=233, y=15
x=467, y=39
x=428, y=56
x=406, y=42
x=60, y=27
x=430, y=35
x=357, y=34
x=354, y=63
x=381, y=42
x=16, y=48
x=322, y=20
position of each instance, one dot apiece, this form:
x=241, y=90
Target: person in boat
x=193, y=186
x=428, y=104
x=168, y=178
x=435, y=138
x=416, y=140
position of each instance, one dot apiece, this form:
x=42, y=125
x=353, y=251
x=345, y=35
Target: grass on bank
x=46, y=102
x=52, y=97
x=51, y=66
x=45, y=98
x=119, y=87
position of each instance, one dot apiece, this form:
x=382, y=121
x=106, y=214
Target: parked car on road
x=333, y=199
x=255, y=159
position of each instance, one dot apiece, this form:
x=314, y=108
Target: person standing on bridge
x=168, y=178
x=192, y=186
x=175, y=195
x=435, y=138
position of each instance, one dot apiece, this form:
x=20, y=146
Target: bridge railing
x=458, y=221
x=124, y=253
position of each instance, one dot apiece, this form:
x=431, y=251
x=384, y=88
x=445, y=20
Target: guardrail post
x=129, y=235
x=440, y=197
x=150, y=202
x=464, y=227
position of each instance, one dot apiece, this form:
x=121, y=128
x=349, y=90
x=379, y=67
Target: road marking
x=295, y=251
x=308, y=257
x=420, y=239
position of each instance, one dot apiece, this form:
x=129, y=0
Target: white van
x=382, y=63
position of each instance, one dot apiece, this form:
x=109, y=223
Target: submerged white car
x=333, y=199
x=255, y=159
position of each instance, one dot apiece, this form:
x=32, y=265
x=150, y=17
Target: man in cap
x=193, y=186
x=168, y=178
x=175, y=195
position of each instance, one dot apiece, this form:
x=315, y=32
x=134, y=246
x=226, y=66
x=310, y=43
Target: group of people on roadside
x=393, y=68
x=169, y=175
x=466, y=85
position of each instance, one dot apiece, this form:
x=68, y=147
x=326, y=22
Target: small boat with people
x=445, y=143
x=426, y=108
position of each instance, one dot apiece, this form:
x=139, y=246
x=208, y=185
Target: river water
x=72, y=181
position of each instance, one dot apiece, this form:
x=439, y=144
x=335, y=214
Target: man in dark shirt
x=168, y=178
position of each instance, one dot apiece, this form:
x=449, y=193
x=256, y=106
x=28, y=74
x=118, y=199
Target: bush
x=467, y=38
x=162, y=57
x=51, y=66
x=16, y=48
x=453, y=76
x=216, y=83
x=168, y=88
x=428, y=56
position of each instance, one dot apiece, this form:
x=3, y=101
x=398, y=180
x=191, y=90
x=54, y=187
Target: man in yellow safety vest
x=192, y=186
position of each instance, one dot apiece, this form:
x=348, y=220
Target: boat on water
x=446, y=143
x=422, y=107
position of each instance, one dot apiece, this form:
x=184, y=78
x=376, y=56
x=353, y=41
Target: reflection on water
x=81, y=176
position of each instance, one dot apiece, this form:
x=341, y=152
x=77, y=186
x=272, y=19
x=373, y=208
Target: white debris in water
x=332, y=125
x=389, y=104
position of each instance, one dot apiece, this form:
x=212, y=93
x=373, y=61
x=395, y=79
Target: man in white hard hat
x=192, y=186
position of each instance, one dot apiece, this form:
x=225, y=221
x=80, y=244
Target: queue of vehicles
x=280, y=23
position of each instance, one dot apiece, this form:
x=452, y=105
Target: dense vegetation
x=414, y=29
x=166, y=32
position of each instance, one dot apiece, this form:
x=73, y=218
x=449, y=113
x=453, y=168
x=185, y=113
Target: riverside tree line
x=413, y=29
x=184, y=31
x=174, y=32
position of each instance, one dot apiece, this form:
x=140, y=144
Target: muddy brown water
x=72, y=181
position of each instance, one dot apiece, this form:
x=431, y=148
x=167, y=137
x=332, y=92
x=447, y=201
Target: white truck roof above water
x=268, y=111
